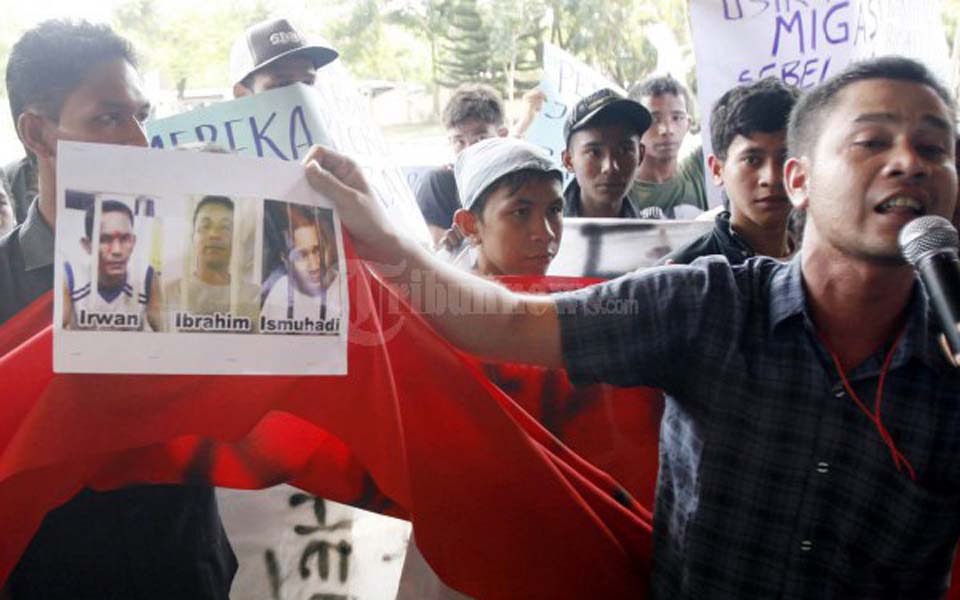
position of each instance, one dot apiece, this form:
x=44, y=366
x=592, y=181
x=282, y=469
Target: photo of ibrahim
x=214, y=292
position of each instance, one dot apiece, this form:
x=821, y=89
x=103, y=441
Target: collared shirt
x=573, y=206
x=21, y=176
x=772, y=483
x=26, y=263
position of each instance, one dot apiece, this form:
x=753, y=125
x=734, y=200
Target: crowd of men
x=778, y=477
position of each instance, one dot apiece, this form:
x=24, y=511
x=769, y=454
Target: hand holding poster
x=201, y=263
x=284, y=123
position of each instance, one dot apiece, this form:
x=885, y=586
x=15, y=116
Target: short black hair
x=761, y=106
x=515, y=181
x=51, y=60
x=209, y=200
x=107, y=206
x=808, y=114
x=660, y=86
x=473, y=101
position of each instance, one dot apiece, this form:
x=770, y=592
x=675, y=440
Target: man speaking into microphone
x=810, y=444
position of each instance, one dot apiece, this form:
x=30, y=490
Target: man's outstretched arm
x=496, y=324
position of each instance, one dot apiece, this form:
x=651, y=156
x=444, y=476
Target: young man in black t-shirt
x=474, y=113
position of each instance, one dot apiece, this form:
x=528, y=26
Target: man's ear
x=567, y=160
x=795, y=173
x=467, y=222
x=86, y=244
x=642, y=151
x=715, y=165
x=502, y=131
x=240, y=90
x=34, y=132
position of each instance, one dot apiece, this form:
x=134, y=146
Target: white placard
x=803, y=42
x=195, y=263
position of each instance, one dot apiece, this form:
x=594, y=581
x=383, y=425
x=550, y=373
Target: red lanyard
x=898, y=458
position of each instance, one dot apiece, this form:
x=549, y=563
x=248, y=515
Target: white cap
x=482, y=164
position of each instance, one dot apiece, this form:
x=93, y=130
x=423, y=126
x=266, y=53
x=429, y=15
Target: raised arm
x=486, y=319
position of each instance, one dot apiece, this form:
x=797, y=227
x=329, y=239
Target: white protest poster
x=295, y=546
x=608, y=248
x=168, y=264
x=566, y=79
x=803, y=42
x=284, y=123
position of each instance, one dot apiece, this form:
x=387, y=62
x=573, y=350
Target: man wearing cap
x=512, y=219
x=604, y=152
x=272, y=54
x=512, y=206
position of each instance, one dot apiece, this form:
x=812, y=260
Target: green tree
x=374, y=46
x=516, y=36
x=466, y=54
x=171, y=43
x=425, y=20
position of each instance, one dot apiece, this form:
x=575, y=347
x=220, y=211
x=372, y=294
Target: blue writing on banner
x=802, y=30
x=834, y=25
x=266, y=135
x=733, y=9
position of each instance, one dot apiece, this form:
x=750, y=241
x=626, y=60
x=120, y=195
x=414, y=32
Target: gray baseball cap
x=483, y=163
x=268, y=41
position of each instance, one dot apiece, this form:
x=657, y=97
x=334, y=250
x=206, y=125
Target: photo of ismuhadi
x=301, y=287
x=214, y=292
x=110, y=282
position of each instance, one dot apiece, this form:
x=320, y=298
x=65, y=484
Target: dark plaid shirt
x=772, y=483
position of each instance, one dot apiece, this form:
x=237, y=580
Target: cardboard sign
x=565, y=81
x=185, y=262
x=284, y=123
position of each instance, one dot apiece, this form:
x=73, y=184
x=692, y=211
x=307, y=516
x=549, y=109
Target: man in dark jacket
x=748, y=129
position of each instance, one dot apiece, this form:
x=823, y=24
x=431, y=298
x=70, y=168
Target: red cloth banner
x=502, y=508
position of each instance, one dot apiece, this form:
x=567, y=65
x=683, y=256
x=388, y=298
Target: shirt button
x=806, y=546
x=839, y=391
x=823, y=467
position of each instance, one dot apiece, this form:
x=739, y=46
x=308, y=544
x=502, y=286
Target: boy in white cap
x=512, y=200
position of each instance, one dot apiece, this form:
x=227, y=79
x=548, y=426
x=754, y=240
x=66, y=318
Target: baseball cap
x=606, y=101
x=483, y=163
x=269, y=41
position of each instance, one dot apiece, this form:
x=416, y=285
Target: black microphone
x=930, y=245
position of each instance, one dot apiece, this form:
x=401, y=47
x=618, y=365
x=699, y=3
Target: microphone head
x=924, y=235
